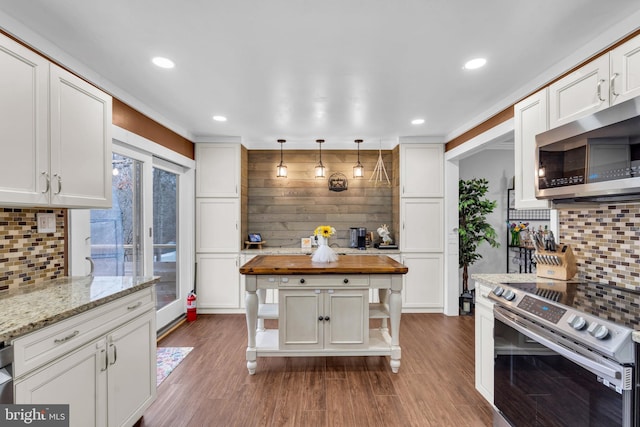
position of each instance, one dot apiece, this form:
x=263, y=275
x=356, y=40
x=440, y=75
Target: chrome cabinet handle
x=104, y=352
x=115, y=354
x=600, y=90
x=134, y=306
x=67, y=338
x=59, y=179
x=46, y=177
x=613, y=86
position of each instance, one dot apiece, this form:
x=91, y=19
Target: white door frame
x=139, y=148
x=453, y=287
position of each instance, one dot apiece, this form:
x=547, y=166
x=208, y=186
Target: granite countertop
x=498, y=278
x=307, y=251
x=32, y=307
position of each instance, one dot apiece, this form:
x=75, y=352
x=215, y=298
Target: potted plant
x=473, y=229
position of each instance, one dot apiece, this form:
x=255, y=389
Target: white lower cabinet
x=109, y=381
x=323, y=319
x=484, y=342
x=218, y=283
x=423, y=289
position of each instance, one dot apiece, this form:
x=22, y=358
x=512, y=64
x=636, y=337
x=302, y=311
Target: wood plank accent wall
x=284, y=210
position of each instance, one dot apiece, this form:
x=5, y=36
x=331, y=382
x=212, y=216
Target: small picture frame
x=255, y=237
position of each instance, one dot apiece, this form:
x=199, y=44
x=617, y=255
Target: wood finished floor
x=211, y=387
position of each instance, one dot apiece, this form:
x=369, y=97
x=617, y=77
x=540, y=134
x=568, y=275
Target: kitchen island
x=323, y=309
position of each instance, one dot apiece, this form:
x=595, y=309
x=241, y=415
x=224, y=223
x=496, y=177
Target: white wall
x=497, y=166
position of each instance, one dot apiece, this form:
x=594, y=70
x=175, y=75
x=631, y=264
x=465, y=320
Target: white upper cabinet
x=217, y=170
x=421, y=170
x=23, y=124
x=610, y=79
x=217, y=225
x=81, y=170
x=583, y=92
x=530, y=119
x=625, y=71
x=55, y=134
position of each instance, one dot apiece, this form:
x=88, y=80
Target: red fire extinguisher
x=191, y=307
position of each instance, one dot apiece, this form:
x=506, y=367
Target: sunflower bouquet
x=324, y=231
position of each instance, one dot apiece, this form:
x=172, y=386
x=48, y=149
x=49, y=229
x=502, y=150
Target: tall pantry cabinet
x=422, y=226
x=218, y=169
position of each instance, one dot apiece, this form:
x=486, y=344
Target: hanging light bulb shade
x=319, y=170
x=358, y=169
x=281, y=169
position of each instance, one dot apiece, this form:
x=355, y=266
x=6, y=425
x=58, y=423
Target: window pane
x=115, y=233
x=165, y=249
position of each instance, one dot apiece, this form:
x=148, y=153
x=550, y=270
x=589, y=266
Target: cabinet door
x=422, y=228
x=301, y=322
x=80, y=122
x=530, y=119
x=484, y=349
x=579, y=94
x=217, y=225
x=131, y=376
x=625, y=71
x=217, y=170
x=218, y=281
x=78, y=380
x=348, y=323
x=423, y=287
x=421, y=170
x=24, y=92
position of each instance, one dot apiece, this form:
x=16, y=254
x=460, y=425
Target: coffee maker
x=353, y=237
x=362, y=238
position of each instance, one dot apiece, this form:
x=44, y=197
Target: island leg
x=395, y=308
x=382, y=296
x=251, y=304
x=262, y=297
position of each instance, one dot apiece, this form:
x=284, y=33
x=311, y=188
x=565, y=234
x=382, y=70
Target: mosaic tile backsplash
x=26, y=256
x=606, y=242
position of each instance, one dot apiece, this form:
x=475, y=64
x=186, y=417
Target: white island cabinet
x=101, y=362
x=323, y=309
x=484, y=342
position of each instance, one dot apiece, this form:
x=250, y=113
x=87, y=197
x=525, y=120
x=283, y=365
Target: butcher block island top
x=302, y=264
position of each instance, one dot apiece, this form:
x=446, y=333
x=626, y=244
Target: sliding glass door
x=143, y=233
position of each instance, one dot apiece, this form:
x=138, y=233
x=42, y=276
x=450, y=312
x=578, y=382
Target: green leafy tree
x=473, y=227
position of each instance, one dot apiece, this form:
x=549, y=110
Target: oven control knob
x=509, y=295
x=498, y=290
x=599, y=332
x=577, y=322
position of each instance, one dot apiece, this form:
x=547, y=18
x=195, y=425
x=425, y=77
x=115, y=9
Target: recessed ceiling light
x=220, y=118
x=475, y=63
x=163, y=62
x=417, y=121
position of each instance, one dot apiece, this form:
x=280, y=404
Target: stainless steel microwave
x=596, y=158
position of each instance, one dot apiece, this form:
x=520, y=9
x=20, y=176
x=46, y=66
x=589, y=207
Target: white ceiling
x=333, y=69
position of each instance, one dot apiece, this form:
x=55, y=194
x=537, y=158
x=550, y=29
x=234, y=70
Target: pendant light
x=358, y=169
x=281, y=169
x=320, y=166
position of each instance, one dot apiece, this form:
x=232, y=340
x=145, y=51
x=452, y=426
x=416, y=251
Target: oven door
x=540, y=381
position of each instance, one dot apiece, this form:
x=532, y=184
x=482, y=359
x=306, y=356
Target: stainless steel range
x=564, y=355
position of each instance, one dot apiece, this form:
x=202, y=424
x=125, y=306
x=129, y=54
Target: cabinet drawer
x=325, y=281
x=267, y=281
x=41, y=347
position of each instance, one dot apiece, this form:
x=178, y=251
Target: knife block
x=546, y=264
